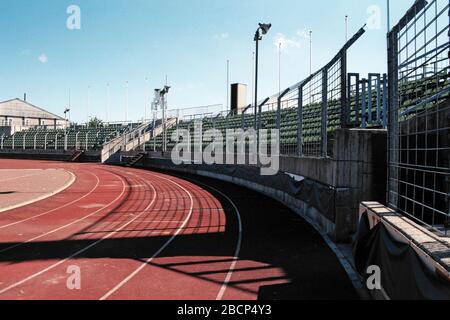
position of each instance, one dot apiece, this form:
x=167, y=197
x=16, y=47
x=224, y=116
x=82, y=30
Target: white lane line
x=239, y=242
x=43, y=197
x=144, y=264
x=69, y=224
x=26, y=176
x=55, y=209
x=14, y=285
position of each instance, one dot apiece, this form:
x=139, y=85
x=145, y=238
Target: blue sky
x=187, y=40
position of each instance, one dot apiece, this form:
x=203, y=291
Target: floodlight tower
x=163, y=94
x=155, y=104
x=264, y=29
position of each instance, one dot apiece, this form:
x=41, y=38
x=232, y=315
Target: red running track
x=113, y=227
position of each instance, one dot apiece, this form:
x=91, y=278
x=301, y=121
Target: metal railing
x=419, y=117
x=71, y=139
x=306, y=114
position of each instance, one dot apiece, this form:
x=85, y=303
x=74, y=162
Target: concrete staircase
x=76, y=156
x=136, y=159
x=131, y=141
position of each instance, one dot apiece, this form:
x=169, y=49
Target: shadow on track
x=273, y=238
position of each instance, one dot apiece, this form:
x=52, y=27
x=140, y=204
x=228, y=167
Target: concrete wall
x=54, y=155
x=357, y=173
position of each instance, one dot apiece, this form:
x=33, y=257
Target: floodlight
x=265, y=27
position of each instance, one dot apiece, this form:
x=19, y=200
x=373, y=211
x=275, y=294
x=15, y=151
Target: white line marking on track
x=139, y=269
x=26, y=176
x=43, y=197
x=69, y=224
x=55, y=209
x=14, y=285
x=239, y=243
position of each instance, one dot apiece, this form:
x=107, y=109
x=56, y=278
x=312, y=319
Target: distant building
x=18, y=115
x=238, y=97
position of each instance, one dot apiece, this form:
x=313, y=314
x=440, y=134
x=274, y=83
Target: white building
x=18, y=115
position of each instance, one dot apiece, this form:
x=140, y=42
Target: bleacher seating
x=77, y=138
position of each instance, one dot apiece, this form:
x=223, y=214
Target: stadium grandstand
x=18, y=115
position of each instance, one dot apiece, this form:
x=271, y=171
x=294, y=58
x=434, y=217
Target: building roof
x=23, y=109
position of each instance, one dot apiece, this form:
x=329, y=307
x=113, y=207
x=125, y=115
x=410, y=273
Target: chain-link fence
x=419, y=117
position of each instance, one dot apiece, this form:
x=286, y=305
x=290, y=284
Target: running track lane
x=155, y=254
x=167, y=221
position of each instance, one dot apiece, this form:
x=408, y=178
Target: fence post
x=393, y=103
x=3, y=137
x=24, y=141
x=13, y=141
x=300, y=121
x=345, y=98
x=87, y=140
x=35, y=141
x=259, y=123
x=385, y=101
x=363, y=104
x=45, y=141
x=56, y=141
x=369, y=99
x=357, y=97
x=377, y=76
x=324, y=126
x=279, y=107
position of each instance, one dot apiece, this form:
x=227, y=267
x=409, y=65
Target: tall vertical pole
x=253, y=77
x=70, y=106
x=146, y=99
x=279, y=68
x=256, y=78
x=88, y=101
x=310, y=52
x=163, y=105
x=388, y=16
x=228, y=85
x=108, y=101
x=126, y=101
x=346, y=28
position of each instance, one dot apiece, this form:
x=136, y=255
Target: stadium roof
x=23, y=109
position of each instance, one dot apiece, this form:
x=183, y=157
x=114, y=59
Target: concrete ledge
x=50, y=154
x=432, y=249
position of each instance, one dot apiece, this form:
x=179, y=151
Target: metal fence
x=419, y=117
x=306, y=114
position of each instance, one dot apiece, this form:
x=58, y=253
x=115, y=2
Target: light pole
x=66, y=111
x=228, y=85
x=346, y=28
x=310, y=52
x=263, y=28
x=279, y=68
x=388, y=16
x=108, y=101
x=146, y=99
x=126, y=101
x=163, y=96
x=155, y=104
